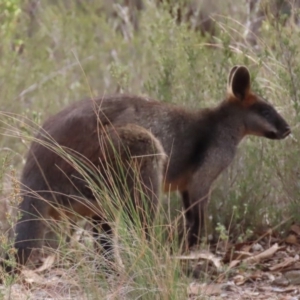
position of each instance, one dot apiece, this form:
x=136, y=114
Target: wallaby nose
x=287, y=131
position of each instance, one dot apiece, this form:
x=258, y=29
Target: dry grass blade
x=255, y=258
x=263, y=255
x=31, y=276
x=196, y=255
x=287, y=262
x=47, y=264
x=196, y=289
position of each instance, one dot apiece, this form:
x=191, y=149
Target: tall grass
x=139, y=267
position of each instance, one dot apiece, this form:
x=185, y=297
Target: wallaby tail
x=31, y=227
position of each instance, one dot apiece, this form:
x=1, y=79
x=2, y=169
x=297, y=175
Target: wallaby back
x=199, y=146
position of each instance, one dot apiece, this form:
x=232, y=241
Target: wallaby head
x=259, y=117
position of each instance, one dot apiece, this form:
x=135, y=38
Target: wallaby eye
x=266, y=113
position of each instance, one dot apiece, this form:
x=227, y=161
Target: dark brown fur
x=199, y=146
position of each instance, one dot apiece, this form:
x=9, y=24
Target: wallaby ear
x=239, y=82
x=230, y=76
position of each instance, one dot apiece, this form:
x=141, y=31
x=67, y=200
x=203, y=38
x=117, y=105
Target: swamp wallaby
x=86, y=137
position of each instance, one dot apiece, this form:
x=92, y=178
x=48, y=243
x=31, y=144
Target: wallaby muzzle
x=281, y=133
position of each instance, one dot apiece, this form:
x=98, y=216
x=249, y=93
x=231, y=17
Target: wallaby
x=198, y=145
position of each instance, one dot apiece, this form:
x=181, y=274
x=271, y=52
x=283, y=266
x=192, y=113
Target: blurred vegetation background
x=55, y=52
